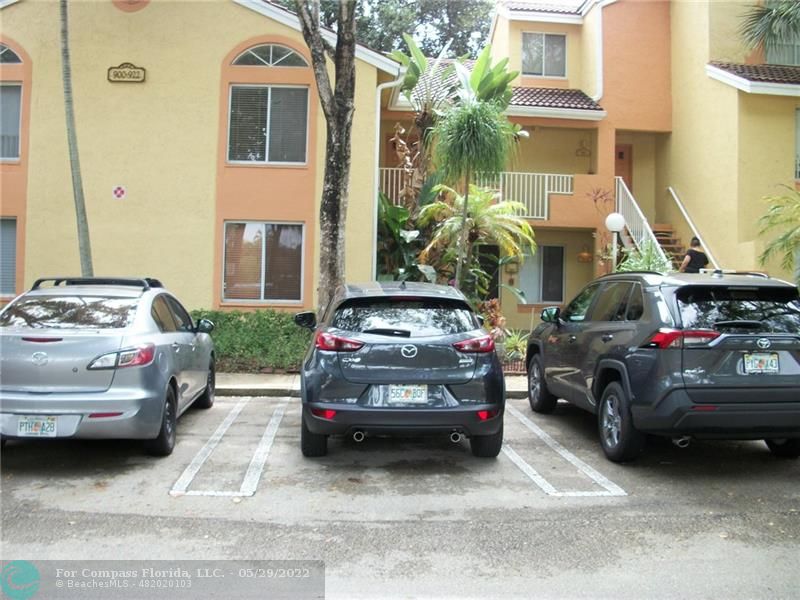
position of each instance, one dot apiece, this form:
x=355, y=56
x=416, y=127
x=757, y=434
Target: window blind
x=10, y=96
x=287, y=125
x=8, y=257
x=248, y=124
x=243, y=261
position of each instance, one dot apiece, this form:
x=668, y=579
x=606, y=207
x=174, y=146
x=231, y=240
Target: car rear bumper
x=676, y=414
x=140, y=418
x=394, y=421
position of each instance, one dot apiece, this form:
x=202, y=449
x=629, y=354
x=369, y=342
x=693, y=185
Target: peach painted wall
x=14, y=173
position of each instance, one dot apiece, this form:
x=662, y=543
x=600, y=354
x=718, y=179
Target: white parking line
x=256, y=467
x=254, y=470
x=610, y=488
x=185, y=480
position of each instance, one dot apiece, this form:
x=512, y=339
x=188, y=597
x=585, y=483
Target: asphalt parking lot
x=550, y=517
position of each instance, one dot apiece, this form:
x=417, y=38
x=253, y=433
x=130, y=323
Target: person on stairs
x=695, y=258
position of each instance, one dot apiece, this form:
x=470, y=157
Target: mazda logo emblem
x=408, y=351
x=763, y=343
x=39, y=359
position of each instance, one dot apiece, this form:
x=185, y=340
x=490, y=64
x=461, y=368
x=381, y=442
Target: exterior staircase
x=671, y=244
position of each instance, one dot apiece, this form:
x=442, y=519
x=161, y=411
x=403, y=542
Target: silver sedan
x=101, y=358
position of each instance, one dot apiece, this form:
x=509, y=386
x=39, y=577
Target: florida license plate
x=761, y=362
x=36, y=426
x=408, y=394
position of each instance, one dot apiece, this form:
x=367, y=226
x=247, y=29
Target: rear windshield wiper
x=743, y=323
x=389, y=331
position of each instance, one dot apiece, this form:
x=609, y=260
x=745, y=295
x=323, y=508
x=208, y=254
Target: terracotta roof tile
x=762, y=73
x=569, y=7
x=553, y=98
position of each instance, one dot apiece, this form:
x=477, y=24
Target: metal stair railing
x=692, y=226
x=636, y=223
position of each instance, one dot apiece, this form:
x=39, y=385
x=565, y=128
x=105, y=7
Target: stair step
x=662, y=227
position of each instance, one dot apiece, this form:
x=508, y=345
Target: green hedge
x=256, y=340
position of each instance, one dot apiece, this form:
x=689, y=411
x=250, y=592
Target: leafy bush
x=255, y=340
x=645, y=258
x=517, y=344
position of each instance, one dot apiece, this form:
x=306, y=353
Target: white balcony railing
x=531, y=189
x=636, y=223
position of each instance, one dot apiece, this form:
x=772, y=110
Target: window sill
x=529, y=308
x=260, y=165
x=261, y=303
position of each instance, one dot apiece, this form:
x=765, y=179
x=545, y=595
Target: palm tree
x=480, y=219
x=84, y=246
x=772, y=23
x=782, y=217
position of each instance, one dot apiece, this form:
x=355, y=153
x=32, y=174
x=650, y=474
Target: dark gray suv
x=392, y=358
x=703, y=355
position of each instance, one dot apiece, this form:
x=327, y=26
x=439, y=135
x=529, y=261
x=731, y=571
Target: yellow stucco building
x=201, y=145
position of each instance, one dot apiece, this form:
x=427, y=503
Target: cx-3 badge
x=408, y=351
x=763, y=343
x=39, y=359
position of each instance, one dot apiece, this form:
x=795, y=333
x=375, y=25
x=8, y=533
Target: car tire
x=539, y=397
x=620, y=440
x=165, y=442
x=487, y=446
x=784, y=448
x=312, y=444
x=206, y=399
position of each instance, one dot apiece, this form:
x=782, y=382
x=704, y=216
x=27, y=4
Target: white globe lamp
x=615, y=223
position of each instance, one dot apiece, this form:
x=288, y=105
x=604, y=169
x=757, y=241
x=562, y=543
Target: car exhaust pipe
x=456, y=437
x=358, y=436
x=682, y=442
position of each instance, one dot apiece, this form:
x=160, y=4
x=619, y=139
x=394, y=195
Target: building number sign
x=126, y=73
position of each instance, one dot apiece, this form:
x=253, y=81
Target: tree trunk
x=84, y=245
x=338, y=107
x=462, y=240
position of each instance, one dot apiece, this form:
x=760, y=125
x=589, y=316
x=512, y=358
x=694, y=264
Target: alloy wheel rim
x=611, y=421
x=170, y=421
x=211, y=382
x=534, y=382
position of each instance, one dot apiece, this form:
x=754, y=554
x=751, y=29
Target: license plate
x=408, y=394
x=761, y=362
x=36, y=427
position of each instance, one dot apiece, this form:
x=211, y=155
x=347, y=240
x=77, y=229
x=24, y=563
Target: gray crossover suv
x=390, y=358
x=101, y=358
x=704, y=356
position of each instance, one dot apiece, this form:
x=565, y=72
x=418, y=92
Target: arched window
x=270, y=55
x=8, y=56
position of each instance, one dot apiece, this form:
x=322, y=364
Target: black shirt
x=697, y=261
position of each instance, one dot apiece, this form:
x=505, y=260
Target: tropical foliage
x=771, y=23
x=782, y=220
x=645, y=258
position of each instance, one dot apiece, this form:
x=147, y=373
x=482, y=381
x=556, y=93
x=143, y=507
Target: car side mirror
x=306, y=319
x=481, y=320
x=204, y=326
x=551, y=314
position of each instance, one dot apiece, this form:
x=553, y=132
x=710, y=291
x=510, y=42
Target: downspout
x=376, y=180
x=598, y=92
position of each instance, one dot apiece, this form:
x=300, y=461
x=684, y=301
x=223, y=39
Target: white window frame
x=268, y=301
x=265, y=162
x=544, y=51
x=9, y=159
x=539, y=284
x=271, y=63
x=16, y=257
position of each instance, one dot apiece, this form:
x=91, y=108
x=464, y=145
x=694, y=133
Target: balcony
x=531, y=189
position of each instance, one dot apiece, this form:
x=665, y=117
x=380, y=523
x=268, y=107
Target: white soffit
x=752, y=87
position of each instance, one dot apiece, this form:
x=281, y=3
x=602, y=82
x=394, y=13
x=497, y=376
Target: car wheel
x=165, y=442
x=312, y=444
x=784, y=448
x=619, y=438
x=487, y=446
x=206, y=399
x=539, y=397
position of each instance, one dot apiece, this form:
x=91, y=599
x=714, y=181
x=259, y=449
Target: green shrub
x=255, y=340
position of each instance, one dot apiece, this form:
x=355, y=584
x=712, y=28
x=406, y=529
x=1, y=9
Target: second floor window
x=268, y=124
x=544, y=54
x=10, y=97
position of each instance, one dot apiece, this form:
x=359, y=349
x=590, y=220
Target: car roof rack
x=632, y=273
x=721, y=272
x=145, y=283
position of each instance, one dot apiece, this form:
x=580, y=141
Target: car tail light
x=325, y=413
x=335, y=343
x=676, y=338
x=480, y=345
x=485, y=415
x=132, y=357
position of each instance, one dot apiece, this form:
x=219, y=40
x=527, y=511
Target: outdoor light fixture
x=584, y=256
x=615, y=223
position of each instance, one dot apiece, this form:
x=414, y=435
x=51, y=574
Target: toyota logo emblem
x=763, y=343
x=39, y=359
x=408, y=351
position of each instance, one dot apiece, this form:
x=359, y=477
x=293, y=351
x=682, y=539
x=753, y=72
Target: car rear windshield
x=404, y=317
x=740, y=309
x=70, y=312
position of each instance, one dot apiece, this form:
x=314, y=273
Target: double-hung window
x=544, y=54
x=10, y=110
x=263, y=262
x=541, y=277
x=8, y=257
